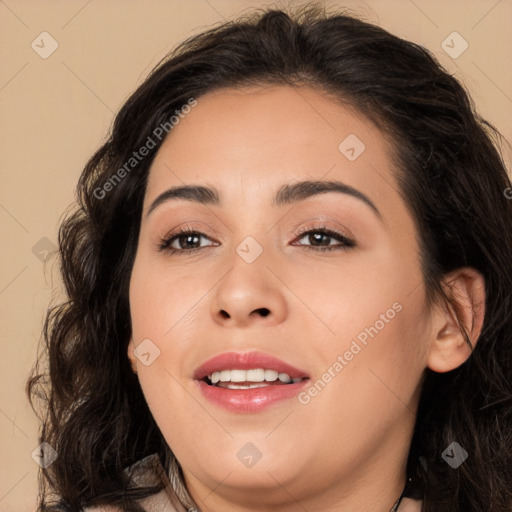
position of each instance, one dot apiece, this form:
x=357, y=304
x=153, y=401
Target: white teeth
x=238, y=375
x=271, y=375
x=224, y=376
x=246, y=386
x=256, y=375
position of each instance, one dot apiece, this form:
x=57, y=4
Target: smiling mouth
x=249, y=379
x=248, y=382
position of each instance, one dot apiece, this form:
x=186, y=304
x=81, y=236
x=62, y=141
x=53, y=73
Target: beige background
x=56, y=111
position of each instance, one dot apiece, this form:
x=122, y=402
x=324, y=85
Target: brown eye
x=321, y=239
x=185, y=240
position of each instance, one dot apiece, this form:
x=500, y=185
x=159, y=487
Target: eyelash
x=346, y=244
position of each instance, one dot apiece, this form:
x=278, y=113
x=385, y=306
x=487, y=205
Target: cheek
x=373, y=331
x=378, y=366
x=349, y=296
x=161, y=313
x=160, y=300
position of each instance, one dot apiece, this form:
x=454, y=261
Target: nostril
x=264, y=311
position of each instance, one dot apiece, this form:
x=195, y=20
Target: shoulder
x=102, y=508
x=148, y=471
x=161, y=502
x=409, y=505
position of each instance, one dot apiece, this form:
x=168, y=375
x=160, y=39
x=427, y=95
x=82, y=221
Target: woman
x=289, y=286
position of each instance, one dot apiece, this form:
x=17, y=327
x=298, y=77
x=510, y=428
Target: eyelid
x=322, y=223
x=192, y=227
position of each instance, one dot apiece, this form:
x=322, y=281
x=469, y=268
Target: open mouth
x=249, y=382
x=250, y=371
x=249, y=379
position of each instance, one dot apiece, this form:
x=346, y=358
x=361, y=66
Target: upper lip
x=246, y=361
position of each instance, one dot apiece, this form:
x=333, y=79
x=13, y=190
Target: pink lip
x=248, y=400
x=246, y=361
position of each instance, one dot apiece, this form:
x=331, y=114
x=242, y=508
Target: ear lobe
x=465, y=287
x=131, y=355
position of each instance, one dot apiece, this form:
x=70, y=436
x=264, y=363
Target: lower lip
x=250, y=400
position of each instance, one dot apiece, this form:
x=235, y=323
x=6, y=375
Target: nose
x=250, y=293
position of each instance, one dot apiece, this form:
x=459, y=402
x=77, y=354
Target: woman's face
x=353, y=319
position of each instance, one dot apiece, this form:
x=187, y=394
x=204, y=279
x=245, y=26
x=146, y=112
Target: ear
x=465, y=287
x=131, y=355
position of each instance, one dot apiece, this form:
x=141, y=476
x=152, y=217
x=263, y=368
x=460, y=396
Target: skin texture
x=346, y=449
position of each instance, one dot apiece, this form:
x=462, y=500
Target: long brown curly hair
x=451, y=176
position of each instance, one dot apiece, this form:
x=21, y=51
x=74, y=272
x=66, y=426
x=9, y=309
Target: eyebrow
x=287, y=194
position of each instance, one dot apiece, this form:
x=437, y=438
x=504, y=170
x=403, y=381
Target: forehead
x=255, y=139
